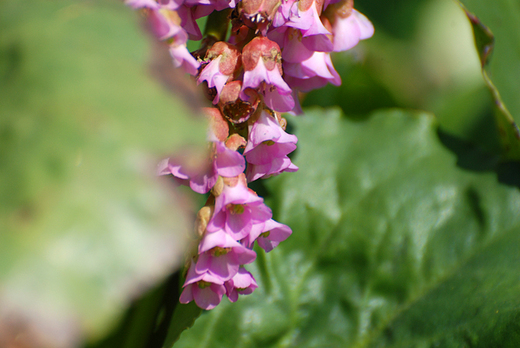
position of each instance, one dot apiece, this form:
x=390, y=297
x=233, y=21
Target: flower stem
x=217, y=24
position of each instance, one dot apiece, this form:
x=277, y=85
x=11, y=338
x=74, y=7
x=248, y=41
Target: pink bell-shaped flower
x=242, y=283
x=274, y=233
x=312, y=73
x=348, y=31
x=205, y=289
x=151, y=4
x=263, y=71
x=237, y=210
x=268, y=235
x=267, y=149
x=221, y=256
x=305, y=15
x=348, y=26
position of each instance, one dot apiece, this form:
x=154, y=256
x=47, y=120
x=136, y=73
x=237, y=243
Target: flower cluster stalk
x=255, y=58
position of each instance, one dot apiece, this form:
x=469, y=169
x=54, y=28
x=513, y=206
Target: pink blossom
x=205, y=289
x=223, y=60
x=283, y=13
x=228, y=163
x=215, y=79
x=264, y=171
x=183, y=59
x=171, y=4
x=242, y=283
x=348, y=31
x=304, y=69
x=305, y=16
x=312, y=73
x=274, y=233
x=267, y=148
x=165, y=24
x=258, y=14
x=263, y=71
x=291, y=41
x=237, y=210
x=221, y=256
x=188, y=23
x=277, y=94
x=201, y=174
x=268, y=235
x=152, y=4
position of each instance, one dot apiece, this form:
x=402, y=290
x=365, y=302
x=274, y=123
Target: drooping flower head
x=276, y=50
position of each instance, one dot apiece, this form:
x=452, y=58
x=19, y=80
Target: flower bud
x=203, y=217
x=229, y=54
x=267, y=50
x=219, y=186
x=218, y=124
x=235, y=141
x=235, y=109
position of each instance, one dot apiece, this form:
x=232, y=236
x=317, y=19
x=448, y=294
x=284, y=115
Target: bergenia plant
x=259, y=173
x=274, y=51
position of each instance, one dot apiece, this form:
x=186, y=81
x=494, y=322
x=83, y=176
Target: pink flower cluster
x=276, y=49
x=234, y=216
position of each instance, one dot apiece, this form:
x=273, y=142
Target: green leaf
x=496, y=26
x=182, y=319
x=86, y=224
x=393, y=245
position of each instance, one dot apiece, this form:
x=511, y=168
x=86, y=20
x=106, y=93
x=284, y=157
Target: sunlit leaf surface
x=496, y=26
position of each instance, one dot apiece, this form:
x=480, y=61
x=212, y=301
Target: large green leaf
x=393, y=245
x=86, y=224
x=496, y=26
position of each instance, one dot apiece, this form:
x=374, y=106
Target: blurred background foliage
x=85, y=225
x=422, y=56
x=404, y=211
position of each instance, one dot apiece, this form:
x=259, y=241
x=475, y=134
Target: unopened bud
x=203, y=217
x=229, y=54
x=281, y=121
x=232, y=182
x=218, y=124
x=235, y=141
x=219, y=186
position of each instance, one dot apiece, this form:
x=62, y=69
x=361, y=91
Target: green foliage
x=393, y=246
x=86, y=225
x=503, y=20
x=496, y=26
